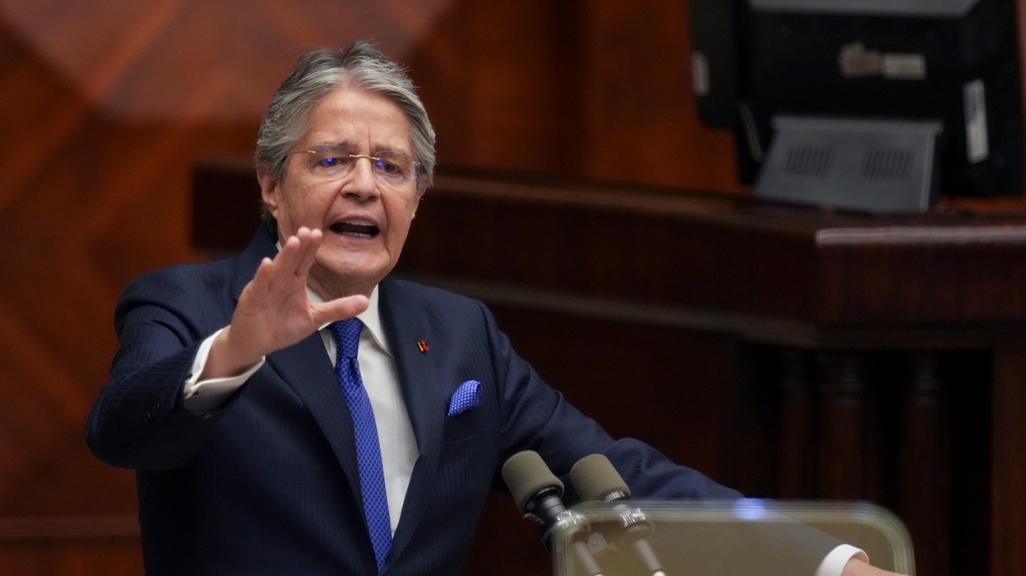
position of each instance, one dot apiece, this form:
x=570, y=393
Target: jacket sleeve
x=138, y=420
x=537, y=417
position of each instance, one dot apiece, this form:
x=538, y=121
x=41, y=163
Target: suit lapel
x=422, y=389
x=306, y=368
x=424, y=393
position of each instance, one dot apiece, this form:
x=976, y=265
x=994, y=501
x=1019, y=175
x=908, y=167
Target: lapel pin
x=422, y=346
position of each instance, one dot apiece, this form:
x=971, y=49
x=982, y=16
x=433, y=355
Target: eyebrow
x=331, y=146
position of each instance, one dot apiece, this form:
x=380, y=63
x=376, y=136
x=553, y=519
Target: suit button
x=154, y=412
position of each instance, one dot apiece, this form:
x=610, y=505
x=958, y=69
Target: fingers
x=299, y=251
x=292, y=264
x=309, y=251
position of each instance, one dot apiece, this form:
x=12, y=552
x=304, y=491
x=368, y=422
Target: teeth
x=355, y=228
x=357, y=222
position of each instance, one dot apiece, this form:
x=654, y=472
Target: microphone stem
x=585, y=559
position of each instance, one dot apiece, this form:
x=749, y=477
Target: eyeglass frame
x=375, y=160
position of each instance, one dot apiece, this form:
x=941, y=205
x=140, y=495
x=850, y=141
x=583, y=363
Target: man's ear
x=269, y=188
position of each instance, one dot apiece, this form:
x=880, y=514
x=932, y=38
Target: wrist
x=228, y=357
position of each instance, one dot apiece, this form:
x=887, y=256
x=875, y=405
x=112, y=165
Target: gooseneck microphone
x=595, y=478
x=537, y=493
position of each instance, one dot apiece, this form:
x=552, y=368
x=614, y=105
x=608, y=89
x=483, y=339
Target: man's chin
x=348, y=278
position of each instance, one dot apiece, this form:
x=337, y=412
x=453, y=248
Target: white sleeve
x=835, y=561
x=207, y=395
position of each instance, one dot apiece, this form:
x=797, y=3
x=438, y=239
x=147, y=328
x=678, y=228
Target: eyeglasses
x=335, y=162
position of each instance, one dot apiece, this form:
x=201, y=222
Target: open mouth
x=356, y=229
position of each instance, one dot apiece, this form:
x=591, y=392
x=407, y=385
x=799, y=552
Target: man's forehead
x=359, y=126
x=359, y=103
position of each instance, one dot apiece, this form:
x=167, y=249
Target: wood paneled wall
x=106, y=105
x=598, y=89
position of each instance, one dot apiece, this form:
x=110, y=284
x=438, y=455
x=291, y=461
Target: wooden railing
x=70, y=546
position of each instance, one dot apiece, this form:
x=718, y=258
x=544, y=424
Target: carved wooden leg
x=1008, y=461
x=841, y=428
x=797, y=449
x=925, y=469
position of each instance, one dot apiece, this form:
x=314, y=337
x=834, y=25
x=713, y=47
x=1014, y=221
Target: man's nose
x=361, y=182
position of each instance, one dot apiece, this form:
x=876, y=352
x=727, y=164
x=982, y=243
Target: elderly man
x=272, y=432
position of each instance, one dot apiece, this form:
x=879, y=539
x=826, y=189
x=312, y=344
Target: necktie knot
x=347, y=335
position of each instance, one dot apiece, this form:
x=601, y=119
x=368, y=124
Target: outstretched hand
x=275, y=311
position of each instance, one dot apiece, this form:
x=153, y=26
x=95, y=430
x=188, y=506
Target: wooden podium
x=879, y=358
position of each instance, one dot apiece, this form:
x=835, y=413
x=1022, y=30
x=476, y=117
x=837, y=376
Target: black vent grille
x=809, y=161
x=888, y=164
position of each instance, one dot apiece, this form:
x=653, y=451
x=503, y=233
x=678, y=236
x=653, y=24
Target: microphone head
x=595, y=478
x=526, y=474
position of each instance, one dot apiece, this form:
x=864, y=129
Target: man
x=225, y=394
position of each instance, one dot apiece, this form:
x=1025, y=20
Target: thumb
x=342, y=308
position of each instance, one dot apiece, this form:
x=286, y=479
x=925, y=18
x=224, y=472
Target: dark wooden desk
x=941, y=297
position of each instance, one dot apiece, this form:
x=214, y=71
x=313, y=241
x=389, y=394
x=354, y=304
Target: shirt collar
x=370, y=317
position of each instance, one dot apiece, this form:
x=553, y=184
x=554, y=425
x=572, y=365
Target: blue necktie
x=368, y=451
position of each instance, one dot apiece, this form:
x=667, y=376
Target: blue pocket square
x=464, y=398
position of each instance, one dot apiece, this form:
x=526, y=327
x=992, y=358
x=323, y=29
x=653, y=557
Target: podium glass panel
x=744, y=537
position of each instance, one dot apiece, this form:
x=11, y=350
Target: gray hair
x=322, y=70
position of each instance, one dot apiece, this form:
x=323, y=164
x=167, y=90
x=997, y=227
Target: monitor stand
x=876, y=166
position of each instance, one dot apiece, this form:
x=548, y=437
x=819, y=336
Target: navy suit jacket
x=267, y=484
